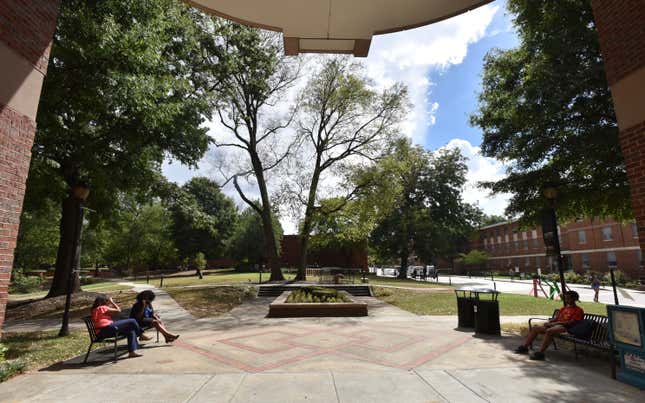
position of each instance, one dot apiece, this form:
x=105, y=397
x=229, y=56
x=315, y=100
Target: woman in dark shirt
x=145, y=315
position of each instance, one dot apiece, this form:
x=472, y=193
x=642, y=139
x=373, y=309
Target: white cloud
x=481, y=168
x=408, y=57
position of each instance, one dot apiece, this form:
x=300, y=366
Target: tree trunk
x=306, y=226
x=66, y=252
x=267, y=221
x=403, y=270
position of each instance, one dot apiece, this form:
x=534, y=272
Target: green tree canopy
x=430, y=218
x=125, y=88
x=546, y=110
x=140, y=236
x=474, y=257
x=203, y=218
x=245, y=244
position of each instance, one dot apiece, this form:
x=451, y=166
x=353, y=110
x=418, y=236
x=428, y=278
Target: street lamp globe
x=81, y=191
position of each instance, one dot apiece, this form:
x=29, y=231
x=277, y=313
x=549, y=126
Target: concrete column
x=621, y=31
x=26, y=31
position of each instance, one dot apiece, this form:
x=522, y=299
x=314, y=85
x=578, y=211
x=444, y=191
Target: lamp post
x=79, y=193
x=550, y=231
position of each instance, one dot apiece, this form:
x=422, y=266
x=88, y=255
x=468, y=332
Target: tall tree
x=546, y=109
x=430, y=218
x=253, y=77
x=203, y=218
x=343, y=122
x=124, y=89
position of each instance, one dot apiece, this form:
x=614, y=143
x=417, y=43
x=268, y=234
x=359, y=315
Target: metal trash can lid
x=484, y=291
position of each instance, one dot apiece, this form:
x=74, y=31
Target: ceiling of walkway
x=335, y=26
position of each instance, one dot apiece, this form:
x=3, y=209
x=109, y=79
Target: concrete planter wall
x=280, y=309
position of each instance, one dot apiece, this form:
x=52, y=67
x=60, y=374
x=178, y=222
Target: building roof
x=335, y=26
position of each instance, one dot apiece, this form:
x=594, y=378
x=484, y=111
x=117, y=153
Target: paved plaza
x=389, y=356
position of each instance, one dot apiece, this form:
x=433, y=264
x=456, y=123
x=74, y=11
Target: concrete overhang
x=335, y=26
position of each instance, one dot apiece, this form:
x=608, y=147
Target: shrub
x=200, y=261
x=21, y=284
x=10, y=368
x=619, y=276
x=316, y=294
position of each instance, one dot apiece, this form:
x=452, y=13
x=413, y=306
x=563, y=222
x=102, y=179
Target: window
x=525, y=243
x=634, y=230
x=639, y=257
x=606, y=234
x=582, y=237
x=611, y=259
x=538, y=262
x=536, y=243
x=516, y=245
x=527, y=262
x=585, y=261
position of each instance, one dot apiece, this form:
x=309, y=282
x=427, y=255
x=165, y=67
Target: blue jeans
x=126, y=327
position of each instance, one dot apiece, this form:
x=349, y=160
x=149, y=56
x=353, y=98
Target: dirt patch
x=81, y=303
x=211, y=301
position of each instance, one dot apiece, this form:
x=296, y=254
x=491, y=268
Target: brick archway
x=27, y=27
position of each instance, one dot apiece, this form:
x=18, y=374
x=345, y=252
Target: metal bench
x=598, y=339
x=95, y=339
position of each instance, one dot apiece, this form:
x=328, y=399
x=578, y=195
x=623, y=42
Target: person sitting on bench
x=567, y=317
x=143, y=312
x=102, y=311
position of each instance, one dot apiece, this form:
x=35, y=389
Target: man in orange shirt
x=567, y=317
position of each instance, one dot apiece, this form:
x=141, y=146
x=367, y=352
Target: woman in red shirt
x=567, y=317
x=102, y=311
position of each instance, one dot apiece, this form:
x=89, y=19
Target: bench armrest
x=532, y=319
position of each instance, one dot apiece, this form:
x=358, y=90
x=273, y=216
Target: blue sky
x=455, y=88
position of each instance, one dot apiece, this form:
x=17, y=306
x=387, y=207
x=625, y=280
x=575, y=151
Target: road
x=525, y=287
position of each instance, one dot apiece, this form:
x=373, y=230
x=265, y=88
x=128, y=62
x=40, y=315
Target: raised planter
x=279, y=308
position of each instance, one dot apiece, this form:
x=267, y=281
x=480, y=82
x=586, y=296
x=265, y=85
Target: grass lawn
x=445, y=303
x=33, y=350
x=211, y=301
x=105, y=286
x=220, y=277
x=52, y=308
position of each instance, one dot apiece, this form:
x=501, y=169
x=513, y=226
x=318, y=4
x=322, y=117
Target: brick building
x=587, y=245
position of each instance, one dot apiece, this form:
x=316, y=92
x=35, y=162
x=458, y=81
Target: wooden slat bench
x=598, y=339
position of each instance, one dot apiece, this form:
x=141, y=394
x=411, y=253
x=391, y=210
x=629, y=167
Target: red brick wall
x=623, y=244
x=16, y=138
x=632, y=143
x=621, y=33
x=27, y=27
x=349, y=257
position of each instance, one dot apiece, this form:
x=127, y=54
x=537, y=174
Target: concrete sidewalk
x=389, y=356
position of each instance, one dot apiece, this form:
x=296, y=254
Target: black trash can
x=465, y=307
x=486, y=307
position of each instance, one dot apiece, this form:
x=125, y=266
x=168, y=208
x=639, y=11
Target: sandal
x=171, y=338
